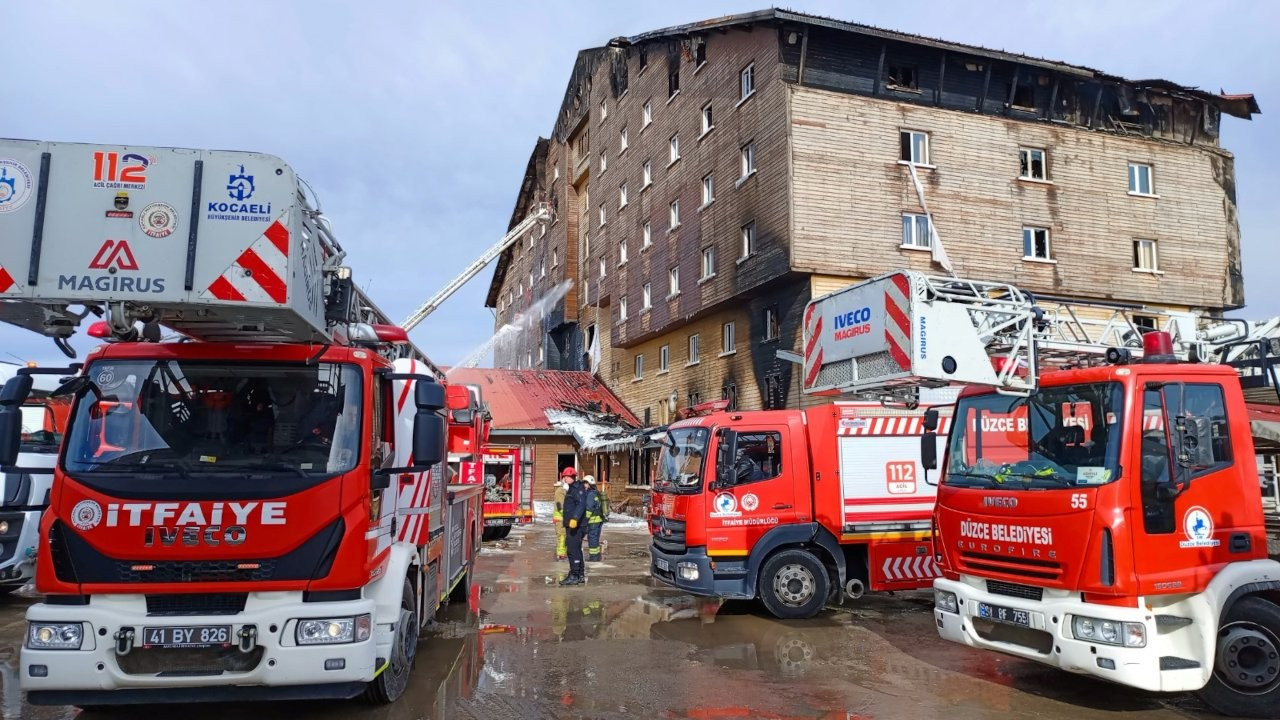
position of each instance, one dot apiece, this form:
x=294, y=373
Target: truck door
x=1205, y=524
x=761, y=490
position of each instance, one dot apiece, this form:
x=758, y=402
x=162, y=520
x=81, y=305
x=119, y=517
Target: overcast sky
x=413, y=120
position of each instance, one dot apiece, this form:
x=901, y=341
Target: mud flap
x=901, y=565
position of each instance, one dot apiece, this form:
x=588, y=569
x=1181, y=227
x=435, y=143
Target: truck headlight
x=687, y=570
x=333, y=631
x=55, y=636
x=1109, y=632
x=946, y=601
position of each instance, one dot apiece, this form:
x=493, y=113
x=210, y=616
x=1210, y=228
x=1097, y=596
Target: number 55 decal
x=1079, y=501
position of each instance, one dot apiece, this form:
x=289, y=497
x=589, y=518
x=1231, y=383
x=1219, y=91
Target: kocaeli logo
x=1198, y=527
x=126, y=171
x=852, y=324
x=15, y=185
x=725, y=504
x=240, y=187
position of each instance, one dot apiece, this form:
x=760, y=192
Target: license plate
x=1009, y=616
x=662, y=565
x=497, y=522
x=190, y=636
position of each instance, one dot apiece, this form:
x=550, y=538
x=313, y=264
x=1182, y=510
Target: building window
x=530, y=282
x=747, y=158
x=543, y=272
x=903, y=77
x=771, y=330
x=915, y=231
x=673, y=149
x=708, y=123
x=673, y=281
x=555, y=172
x=729, y=392
x=509, y=298
x=646, y=175
x=603, y=266
x=748, y=236
x=542, y=353
x=914, y=147
x=664, y=358
x=695, y=398
x=700, y=51
x=1140, y=182
x=728, y=339
x=604, y=110
x=622, y=140
x=646, y=235
x=520, y=291
x=643, y=58
x=1035, y=243
x=674, y=218
x=604, y=162
x=639, y=366
x=646, y=298
x=622, y=308
x=708, y=190
x=622, y=251
x=673, y=79
x=746, y=82
x=708, y=262
x=622, y=195
x=555, y=258
x=1144, y=256
x=1144, y=323
x=646, y=113
x=1032, y=165
x=693, y=349
x=602, y=216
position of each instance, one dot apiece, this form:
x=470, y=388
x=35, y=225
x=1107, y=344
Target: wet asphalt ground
x=624, y=646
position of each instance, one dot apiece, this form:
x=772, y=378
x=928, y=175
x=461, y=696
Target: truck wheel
x=489, y=534
x=1246, y=667
x=793, y=585
x=391, y=682
x=503, y=532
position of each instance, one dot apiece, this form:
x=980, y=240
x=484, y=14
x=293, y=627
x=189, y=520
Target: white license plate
x=662, y=565
x=190, y=636
x=1009, y=616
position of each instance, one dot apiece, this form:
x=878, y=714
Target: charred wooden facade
x=719, y=175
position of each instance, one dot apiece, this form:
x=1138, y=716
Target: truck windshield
x=1066, y=436
x=681, y=462
x=190, y=417
x=39, y=429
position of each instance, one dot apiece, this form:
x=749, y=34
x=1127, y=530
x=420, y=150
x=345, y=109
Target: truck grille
x=668, y=535
x=1026, y=592
x=985, y=563
x=188, y=662
x=178, y=572
x=196, y=604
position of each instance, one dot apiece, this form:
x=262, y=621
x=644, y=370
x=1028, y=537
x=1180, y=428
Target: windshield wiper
x=157, y=467
x=1053, y=477
x=274, y=465
x=975, y=476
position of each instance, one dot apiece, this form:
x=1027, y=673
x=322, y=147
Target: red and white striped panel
x=414, y=501
x=919, y=567
x=912, y=425
x=258, y=274
x=812, y=346
x=7, y=283
x=897, y=324
x=1152, y=422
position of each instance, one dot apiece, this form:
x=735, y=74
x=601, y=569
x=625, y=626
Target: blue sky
x=414, y=123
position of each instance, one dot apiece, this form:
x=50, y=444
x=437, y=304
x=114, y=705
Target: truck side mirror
x=14, y=393
x=428, y=394
x=1195, y=442
x=428, y=439
x=931, y=420
x=726, y=452
x=929, y=450
x=463, y=417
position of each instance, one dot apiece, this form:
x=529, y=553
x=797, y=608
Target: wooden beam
x=1013, y=90
x=875, y=90
x=1053, y=97
x=986, y=85
x=942, y=77
x=1097, y=106
x=804, y=52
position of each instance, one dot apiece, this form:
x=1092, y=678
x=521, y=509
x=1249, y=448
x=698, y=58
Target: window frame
x=1155, y=256
x=772, y=324
x=746, y=161
x=646, y=235
x=637, y=366
x=695, y=349
x=910, y=136
x=622, y=196
x=1026, y=160
x=646, y=114
x=664, y=359
x=708, y=119
x=728, y=338
x=708, y=189
x=747, y=240
x=708, y=262
x=622, y=252
x=623, y=141
x=673, y=281
x=622, y=308
x=746, y=82
x=646, y=175
x=912, y=243
x=765, y=434
x=673, y=149
x=673, y=215
x=1135, y=184
x=646, y=297
x=1029, y=244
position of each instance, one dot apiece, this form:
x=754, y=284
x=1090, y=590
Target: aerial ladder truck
x=1098, y=506
x=506, y=475
x=250, y=500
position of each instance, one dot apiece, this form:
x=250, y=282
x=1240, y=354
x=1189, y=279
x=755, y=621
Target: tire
x=793, y=585
x=463, y=588
x=390, y=684
x=503, y=532
x=1246, y=662
x=489, y=534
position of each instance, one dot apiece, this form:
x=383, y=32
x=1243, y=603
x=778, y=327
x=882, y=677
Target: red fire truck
x=792, y=506
x=508, y=490
x=256, y=506
x=1104, y=518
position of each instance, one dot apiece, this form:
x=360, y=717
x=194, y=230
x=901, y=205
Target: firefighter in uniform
x=575, y=522
x=597, y=511
x=562, y=486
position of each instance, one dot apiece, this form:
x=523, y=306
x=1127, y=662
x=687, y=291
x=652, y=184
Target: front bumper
x=714, y=577
x=83, y=676
x=1156, y=667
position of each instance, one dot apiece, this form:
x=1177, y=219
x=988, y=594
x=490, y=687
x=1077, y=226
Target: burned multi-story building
x=708, y=180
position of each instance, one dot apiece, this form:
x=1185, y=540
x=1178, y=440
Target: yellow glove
x=573, y=523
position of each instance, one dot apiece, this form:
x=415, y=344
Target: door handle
x=782, y=506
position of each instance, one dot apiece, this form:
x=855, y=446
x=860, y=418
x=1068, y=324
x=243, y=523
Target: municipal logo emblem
x=1197, y=525
x=750, y=502
x=158, y=220
x=15, y=185
x=86, y=515
x=725, y=504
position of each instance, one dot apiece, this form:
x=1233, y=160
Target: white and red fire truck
x=508, y=489
x=255, y=507
x=1099, y=508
